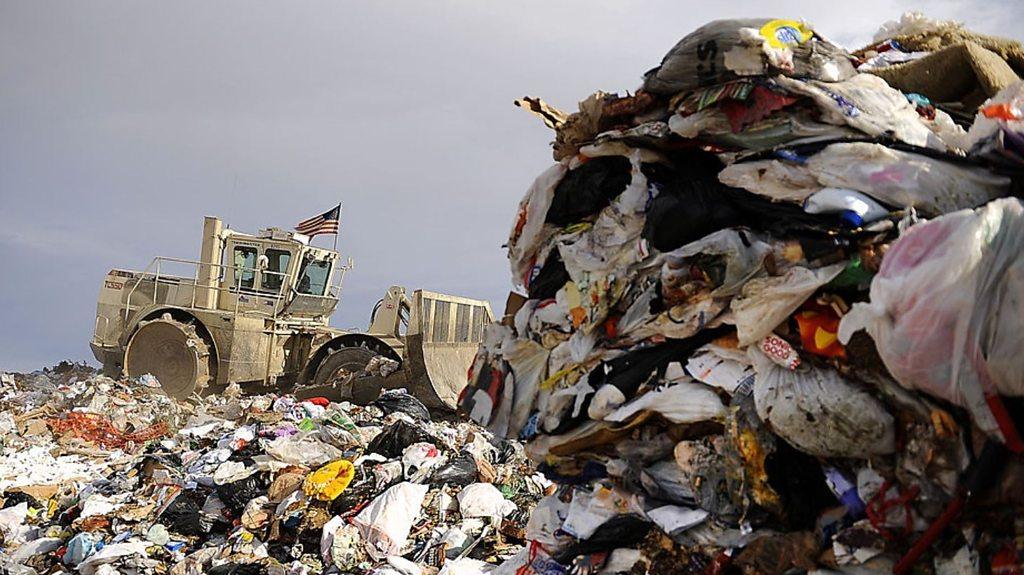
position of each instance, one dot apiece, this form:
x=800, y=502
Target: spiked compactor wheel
x=172, y=352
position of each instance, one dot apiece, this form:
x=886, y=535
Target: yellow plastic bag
x=328, y=482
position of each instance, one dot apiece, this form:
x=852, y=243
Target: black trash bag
x=184, y=514
x=800, y=482
x=586, y=190
x=12, y=498
x=551, y=277
x=460, y=471
x=778, y=218
x=354, y=495
x=394, y=400
x=236, y=495
x=238, y=569
x=619, y=531
x=246, y=453
x=506, y=451
x=396, y=437
x=687, y=211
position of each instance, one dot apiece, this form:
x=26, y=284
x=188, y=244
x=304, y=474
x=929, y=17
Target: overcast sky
x=123, y=123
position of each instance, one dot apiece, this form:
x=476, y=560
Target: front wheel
x=342, y=376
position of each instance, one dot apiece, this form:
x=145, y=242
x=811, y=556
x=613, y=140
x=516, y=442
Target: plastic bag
x=725, y=50
x=764, y=303
x=621, y=531
x=80, y=547
x=819, y=412
x=393, y=400
x=419, y=459
x=184, y=514
x=529, y=231
x=396, y=437
x=711, y=368
x=384, y=524
x=528, y=362
x=545, y=522
x=611, y=243
x=586, y=189
x=868, y=104
x=740, y=253
x=892, y=177
x=460, y=471
x=465, y=566
x=302, y=449
x=235, y=495
x=683, y=402
x=484, y=500
x=327, y=483
x=110, y=554
x=998, y=126
x=946, y=313
x=688, y=211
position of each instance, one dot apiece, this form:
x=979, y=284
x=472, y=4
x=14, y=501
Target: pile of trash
x=100, y=477
x=773, y=311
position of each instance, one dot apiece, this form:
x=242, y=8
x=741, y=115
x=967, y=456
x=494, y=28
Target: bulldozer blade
x=437, y=371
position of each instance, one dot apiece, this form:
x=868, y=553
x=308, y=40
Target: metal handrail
x=155, y=263
x=154, y=270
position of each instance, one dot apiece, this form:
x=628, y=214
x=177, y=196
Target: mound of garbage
x=101, y=477
x=772, y=311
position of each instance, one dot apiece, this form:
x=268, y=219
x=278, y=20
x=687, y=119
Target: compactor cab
x=254, y=310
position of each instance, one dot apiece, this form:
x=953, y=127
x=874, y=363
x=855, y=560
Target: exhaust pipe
x=209, y=268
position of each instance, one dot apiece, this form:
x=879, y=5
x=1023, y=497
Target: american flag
x=325, y=223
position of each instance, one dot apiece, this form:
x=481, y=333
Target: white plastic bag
x=711, y=368
x=303, y=448
x=764, y=303
x=683, y=402
x=528, y=361
x=545, y=521
x=611, y=244
x=465, y=566
x=869, y=104
x=484, y=500
x=893, y=177
x=946, y=311
x=385, y=523
x=819, y=412
x=529, y=231
x=742, y=251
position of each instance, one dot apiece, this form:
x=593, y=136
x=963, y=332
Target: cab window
x=245, y=267
x=313, y=280
x=277, y=265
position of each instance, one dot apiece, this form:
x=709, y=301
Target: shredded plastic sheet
x=99, y=430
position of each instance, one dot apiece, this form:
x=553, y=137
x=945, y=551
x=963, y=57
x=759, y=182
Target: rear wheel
x=172, y=352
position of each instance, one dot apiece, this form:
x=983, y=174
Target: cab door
x=243, y=289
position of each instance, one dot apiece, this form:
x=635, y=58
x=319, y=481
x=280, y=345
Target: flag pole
x=338, y=228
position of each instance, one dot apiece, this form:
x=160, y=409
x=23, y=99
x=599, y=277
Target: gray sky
x=123, y=123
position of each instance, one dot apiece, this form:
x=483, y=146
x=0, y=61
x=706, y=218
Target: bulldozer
x=253, y=310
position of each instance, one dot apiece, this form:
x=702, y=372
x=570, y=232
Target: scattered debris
x=102, y=477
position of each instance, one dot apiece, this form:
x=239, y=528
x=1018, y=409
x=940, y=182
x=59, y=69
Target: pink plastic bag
x=947, y=311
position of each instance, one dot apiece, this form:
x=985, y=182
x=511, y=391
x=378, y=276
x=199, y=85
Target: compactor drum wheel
x=342, y=376
x=172, y=352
